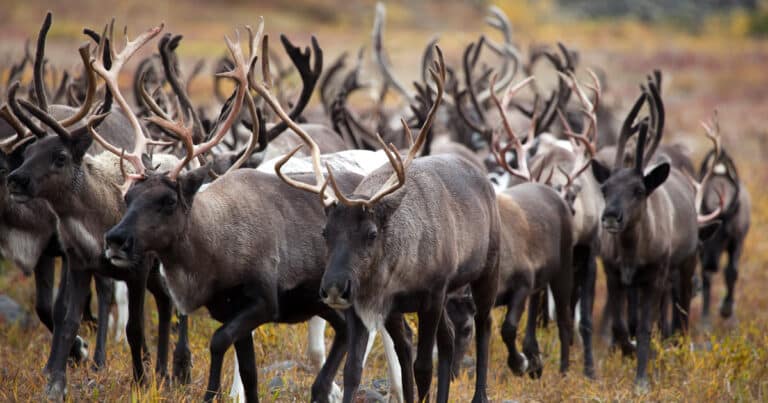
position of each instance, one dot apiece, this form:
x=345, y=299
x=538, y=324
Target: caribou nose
x=337, y=295
x=17, y=182
x=118, y=240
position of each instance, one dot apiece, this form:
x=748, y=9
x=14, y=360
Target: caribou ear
x=709, y=229
x=600, y=171
x=78, y=142
x=190, y=182
x=656, y=177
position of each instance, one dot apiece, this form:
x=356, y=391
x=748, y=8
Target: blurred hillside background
x=714, y=54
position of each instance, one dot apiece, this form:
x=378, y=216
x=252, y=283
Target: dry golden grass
x=717, y=69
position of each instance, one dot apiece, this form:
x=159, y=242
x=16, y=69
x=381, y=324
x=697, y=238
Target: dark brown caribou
x=56, y=168
x=720, y=179
x=537, y=239
x=248, y=247
x=649, y=232
x=412, y=213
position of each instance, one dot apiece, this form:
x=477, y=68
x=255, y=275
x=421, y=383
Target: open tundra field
x=716, y=61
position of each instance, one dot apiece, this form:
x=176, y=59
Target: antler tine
x=21, y=132
x=378, y=50
x=253, y=141
x=522, y=172
x=627, y=130
x=438, y=76
x=22, y=117
x=657, y=115
x=499, y=20
x=85, y=107
x=110, y=77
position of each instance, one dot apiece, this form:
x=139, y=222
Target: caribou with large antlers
x=536, y=251
x=567, y=171
x=56, y=168
x=269, y=275
x=411, y=213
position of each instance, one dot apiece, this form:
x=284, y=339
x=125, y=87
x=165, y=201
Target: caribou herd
x=478, y=188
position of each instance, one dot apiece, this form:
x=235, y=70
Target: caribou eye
x=169, y=202
x=639, y=192
x=325, y=233
x=3, y=171
x=60, y=160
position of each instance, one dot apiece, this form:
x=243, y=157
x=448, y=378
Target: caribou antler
x=240, y=74
x=588, y=136
x=399, y=165
x=397, y=180
x=378, y=50
x=110, y=76
x=167, y=48
x=521, y=150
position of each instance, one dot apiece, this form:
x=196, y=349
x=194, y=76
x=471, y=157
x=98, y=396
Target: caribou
x=374, y=237
x=242, y=281
x=649, y=227
x=57, y=169
x=722, y=192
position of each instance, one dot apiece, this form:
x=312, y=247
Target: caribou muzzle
x=119, y=247
x=336, y=294
x=613, y=221
x=19, y=187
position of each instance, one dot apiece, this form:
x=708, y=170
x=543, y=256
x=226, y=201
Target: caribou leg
x=237, y=328
x=399, y=331
x=321, y=388
x=247, y=357
x=134, y=329
x=731, y=275
x=104, y=292
x=561, y=290
x=164, y=311
x=445, y=339
x=515, y=306
x=64, y=336
x=182, y=357
x=710, y=260
x=484, y=294
x=530, y=344
x=617, y=296
x=682, y=307
x=44, y=274
x=429, y=320
x=357, y=339
x=587, y=269
x=650, y=294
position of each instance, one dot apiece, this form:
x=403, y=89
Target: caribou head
x=158, y=203
x=626, y=189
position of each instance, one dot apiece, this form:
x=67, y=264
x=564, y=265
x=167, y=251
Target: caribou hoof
x=589, y=372
x=182, y=367
x=56, y=390
x=79, y=351
x=642, y=386
x=726, y=309
x=518, y=364
x=336, y=395
x=535, y=367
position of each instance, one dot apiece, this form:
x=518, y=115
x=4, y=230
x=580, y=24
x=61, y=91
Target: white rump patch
x=720, y=169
